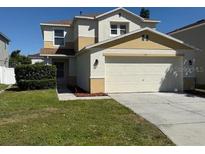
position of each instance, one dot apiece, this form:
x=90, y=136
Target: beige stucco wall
x=156, y=46
x=195, y=37
x=48, y=36
x=97, y=85
x=84, y=41
x=87, y=28
x=85, y=33
x=135, y=41
x=83, y=71
x=99, y=71
x=49, y=44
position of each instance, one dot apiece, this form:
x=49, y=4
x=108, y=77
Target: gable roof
x=90, y=15
x=129, y=12
x=193, y=25
x=137, y=31
x=94, y=16
x=5, y=37
x=58, y=23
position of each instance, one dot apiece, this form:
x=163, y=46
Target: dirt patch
x=78, y=92
x=33, y=114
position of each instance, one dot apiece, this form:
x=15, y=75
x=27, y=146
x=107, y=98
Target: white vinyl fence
x=7, y=75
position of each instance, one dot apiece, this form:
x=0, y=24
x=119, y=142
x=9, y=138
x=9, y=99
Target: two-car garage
x=128, y=63
x=143, y=74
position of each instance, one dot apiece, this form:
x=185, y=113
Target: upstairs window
x=118, y=29
x=113, y=29
x=122, y=29
x=59, y=37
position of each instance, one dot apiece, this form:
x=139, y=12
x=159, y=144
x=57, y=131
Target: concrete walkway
x=180, y=116
x=65, y=94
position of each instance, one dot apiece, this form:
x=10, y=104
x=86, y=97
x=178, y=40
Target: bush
x=35, y=76
x=37, y=84
x=35, y=72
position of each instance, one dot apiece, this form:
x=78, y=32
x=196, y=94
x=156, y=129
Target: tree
x=144, y=13
x=17, y=59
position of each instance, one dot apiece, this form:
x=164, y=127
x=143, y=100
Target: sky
x=22, y=25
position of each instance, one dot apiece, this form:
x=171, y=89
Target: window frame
x=118, y=28
x=123, y=29
x=63, y=29
x=113, y=29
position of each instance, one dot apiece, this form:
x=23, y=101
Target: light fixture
x=96, y=62
x=190, y=63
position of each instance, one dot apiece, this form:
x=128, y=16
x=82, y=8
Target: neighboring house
x=4, y=55
x=194, y=34
x=7, y=75
x=117, y=51
x=36, y=58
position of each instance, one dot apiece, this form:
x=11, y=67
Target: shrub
x=37, y=84
x=35, y=76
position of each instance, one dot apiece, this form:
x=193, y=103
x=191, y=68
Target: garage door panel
x=125, y=74
x=145, y=68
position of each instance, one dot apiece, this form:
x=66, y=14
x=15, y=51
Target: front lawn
x=38, y=118
x=3, y=86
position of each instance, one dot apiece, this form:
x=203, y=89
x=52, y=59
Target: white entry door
x=143, y=74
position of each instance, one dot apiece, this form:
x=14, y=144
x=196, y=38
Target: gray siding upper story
x=4, y=55
x=194, y=34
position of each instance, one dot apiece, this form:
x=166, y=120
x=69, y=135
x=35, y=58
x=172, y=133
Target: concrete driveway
x=180, y=116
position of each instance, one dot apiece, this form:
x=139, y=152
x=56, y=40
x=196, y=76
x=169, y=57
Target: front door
x=60, y=66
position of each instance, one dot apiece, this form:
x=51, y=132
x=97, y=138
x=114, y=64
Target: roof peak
x=5, y=37
x=95, y=15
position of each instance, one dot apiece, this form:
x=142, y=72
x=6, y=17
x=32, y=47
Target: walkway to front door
x=64, y=94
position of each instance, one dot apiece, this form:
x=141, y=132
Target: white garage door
x=143, y=74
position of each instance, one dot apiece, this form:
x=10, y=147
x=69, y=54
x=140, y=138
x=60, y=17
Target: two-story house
x=4, y=55
x=117, y=51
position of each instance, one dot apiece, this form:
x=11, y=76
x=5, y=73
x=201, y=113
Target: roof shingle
x=57, y=51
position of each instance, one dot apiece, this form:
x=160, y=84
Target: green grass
x=3, y=86
x=38, y=118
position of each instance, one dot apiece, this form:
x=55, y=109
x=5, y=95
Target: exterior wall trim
x=57, y=46
x=55, y=55
x=97, y=77
x=142, y=55
x=57, y=25
x=137, y=31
